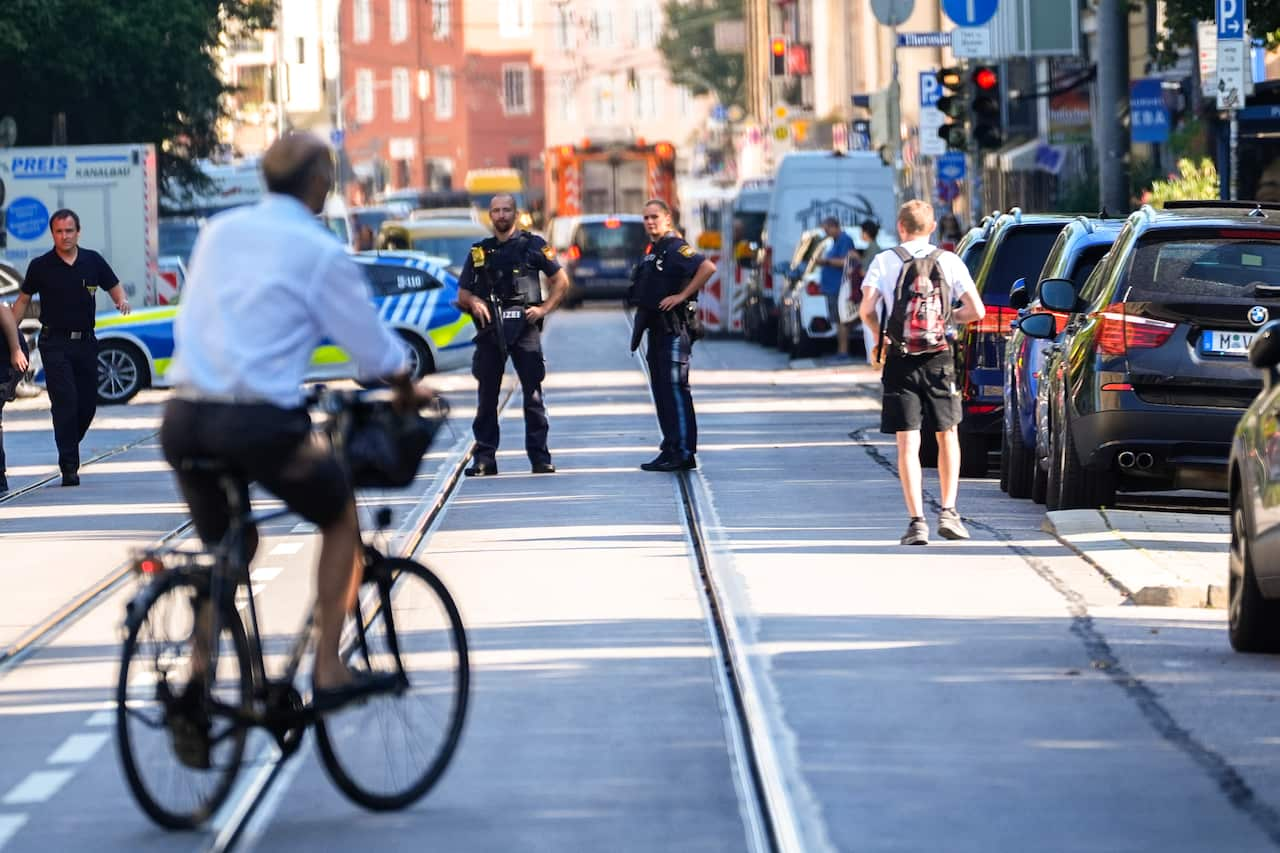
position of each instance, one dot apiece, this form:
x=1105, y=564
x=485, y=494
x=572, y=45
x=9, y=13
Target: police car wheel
x=420, y=361
x=122, y=372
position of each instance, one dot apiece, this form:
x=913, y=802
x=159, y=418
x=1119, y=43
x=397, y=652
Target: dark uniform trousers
x=487, y=366
x=668, y=358
x=71, y=379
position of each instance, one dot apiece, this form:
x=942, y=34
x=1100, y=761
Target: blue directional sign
x=1230, y=17
x=975, y=13
x=1148, y=113
x=950, y=166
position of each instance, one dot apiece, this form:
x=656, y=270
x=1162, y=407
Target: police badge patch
x=686, y=250
x=549, y=252
x=477, y=256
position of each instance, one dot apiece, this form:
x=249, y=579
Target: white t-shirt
x=882, y=275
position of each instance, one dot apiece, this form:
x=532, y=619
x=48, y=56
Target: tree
x=138, y=71
x=688, y=48
x=1181, y=17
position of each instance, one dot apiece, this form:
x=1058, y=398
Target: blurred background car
x=602, y=252
x=446, y=238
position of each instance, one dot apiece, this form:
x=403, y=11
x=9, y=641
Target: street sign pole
x=1232, y=56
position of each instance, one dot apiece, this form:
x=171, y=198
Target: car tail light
x=996, y=320
x=1118, y=386
x=1120, y=332
x=813, y=289
x=612, y=223
x=766, y=270
x=574, y=253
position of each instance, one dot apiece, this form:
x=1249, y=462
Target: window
x=440, y=18
x=399, y=21
x=568, y=98
x=389, y=280
x=515, y=90
x=400, y=94
x=515, y=18
x=602, y=25
x=562, y=26
x=604, y=104
x=645, y=96
x=647, y=23
x=444, y=93
x=362, y=26
x=364, y=95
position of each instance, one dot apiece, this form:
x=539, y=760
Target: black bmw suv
x=1152, y=375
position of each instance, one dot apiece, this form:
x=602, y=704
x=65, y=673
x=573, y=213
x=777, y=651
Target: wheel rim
x=415, y=363
x=1236, y=558
x=117, y=374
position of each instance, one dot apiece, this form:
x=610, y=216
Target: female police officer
x=665, y=283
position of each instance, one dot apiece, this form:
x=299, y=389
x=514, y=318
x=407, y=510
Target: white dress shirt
x=882, y=274
x=267, y=284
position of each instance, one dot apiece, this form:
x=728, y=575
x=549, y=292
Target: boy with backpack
x=926, y=291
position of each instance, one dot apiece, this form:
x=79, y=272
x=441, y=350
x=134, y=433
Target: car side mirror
x=1058, y=294
x=1018, y=296
x=1264, y=352
x=1042, y=326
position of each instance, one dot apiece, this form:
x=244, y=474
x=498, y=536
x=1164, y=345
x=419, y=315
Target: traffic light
x=987, y=130
x=954, y=105
x=778, y=56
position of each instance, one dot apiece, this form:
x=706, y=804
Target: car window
x=611, y=238
x=973, y=257
x=389, y=279
x=1020, y=254
x=455, y=248
x=1207, y=264
x=1093, y=283
x=1085, y=263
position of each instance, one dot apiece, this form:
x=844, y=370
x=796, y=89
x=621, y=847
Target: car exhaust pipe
x=1126, y=459
x=1145, y=460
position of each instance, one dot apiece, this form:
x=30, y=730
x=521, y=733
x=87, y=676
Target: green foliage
x=1193, y=182
x=688, y=48
x=136, y=71
x=1181, y=17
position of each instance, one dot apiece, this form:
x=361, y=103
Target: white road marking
x=78, y=749
x=304, y=527
x=39, y=786
x=286, y=548
x=9, y=826
x=102, y=718
x=265, y=573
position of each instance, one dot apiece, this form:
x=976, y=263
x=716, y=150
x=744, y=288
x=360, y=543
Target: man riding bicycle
x=266, y=285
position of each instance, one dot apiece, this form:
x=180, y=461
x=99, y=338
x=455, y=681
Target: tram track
x=44, y=480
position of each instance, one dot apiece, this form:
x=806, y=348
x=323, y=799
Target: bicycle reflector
x=149, y=564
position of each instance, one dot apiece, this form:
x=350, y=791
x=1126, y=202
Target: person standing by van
x=68, y=278
x=831, y=275
x=918, y=284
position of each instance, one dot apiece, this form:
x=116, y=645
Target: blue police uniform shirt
x=671, y=262
x=505, y=256
x=840, y=248
x=67, y=291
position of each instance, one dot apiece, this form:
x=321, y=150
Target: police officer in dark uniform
x=665, y=286
x=67, y=278
x=500, y=288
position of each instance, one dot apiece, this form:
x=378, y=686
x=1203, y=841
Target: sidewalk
x=1165, y=559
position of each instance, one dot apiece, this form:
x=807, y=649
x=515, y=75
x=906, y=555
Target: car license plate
x=1225, y=343
x=614, y=264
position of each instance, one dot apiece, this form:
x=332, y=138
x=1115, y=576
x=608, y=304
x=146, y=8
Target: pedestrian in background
x=831, y=275
x=918, y=284
x=67, y=279
x=870, y=231
x=949, y=232
x=10, y=374
x=664, y=286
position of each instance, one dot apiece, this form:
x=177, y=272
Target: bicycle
x=182, y=727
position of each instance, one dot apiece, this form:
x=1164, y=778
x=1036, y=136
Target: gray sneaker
x=950, y=526
x=917, y=534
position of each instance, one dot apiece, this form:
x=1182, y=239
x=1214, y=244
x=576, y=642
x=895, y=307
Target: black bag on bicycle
x=384, y=448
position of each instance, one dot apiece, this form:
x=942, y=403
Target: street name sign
x=924, y=39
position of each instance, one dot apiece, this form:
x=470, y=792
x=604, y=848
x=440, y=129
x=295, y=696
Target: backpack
x=921, y=308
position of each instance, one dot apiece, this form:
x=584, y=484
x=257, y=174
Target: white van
x=809, y=187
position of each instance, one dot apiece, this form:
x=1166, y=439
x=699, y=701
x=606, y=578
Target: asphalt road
x=995, y=694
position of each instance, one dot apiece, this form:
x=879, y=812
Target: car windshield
x=748, y=226
x=1206, y=264
x=454, y=248
x=1021, y=254
x=612, y=238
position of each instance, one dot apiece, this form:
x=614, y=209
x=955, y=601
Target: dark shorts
x=916, y=386
x=261, y=444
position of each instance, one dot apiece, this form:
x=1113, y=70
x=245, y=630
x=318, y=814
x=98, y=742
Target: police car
x=415, y=294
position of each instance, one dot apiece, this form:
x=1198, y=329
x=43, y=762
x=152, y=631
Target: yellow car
x=483, y=184
x=441, y=238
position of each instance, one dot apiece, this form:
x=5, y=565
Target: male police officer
x=499, y=287
x=67, y=279
x=666, y=281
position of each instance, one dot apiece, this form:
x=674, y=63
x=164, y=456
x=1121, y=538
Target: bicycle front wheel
x=179, y=743
x=389, y=751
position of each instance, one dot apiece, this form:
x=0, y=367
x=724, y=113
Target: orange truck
x=609, y=177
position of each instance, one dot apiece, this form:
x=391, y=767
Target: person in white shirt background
x=916, y=383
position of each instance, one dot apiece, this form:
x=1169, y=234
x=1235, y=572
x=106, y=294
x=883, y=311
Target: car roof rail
x=1254, y=208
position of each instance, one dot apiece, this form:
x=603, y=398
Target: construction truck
x=609, y=177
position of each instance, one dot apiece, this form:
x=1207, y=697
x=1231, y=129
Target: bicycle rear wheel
x=389, y=751
x=159, y=704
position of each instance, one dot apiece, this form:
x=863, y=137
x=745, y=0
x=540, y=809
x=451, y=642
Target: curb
x=1133, y=569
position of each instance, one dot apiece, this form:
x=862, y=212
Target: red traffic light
x=778, y=46
x=986, y=78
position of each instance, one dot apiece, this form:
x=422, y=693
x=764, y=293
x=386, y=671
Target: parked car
x=414, y=294
x=1080, y=246
x=447, y=238
x=1016, y=247
x=602, y=252
x=1253, y=564
x=1152, y=376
